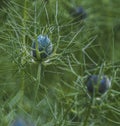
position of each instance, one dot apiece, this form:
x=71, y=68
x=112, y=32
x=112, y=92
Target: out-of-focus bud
x=98, y=84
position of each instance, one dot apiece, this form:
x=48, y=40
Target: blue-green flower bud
x=98, y=84
x=42, y=48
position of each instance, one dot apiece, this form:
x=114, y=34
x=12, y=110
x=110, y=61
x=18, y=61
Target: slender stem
x=88, y=113
x=38, y=83
x=38, y=79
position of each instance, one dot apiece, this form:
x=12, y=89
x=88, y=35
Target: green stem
x=88, y=113
x=38, y=79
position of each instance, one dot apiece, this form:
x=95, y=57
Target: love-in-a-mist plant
x=41, y=50
x=18, y=45
x=30, y=49
x=97, y=86
x=93, y=90
x=49, y=56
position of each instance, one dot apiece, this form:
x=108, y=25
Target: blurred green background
x=57, y=96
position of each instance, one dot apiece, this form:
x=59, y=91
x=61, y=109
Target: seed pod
x=42, y=48
x=98, y=84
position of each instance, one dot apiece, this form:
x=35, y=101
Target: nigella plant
x=98, y=84
x=42, y=47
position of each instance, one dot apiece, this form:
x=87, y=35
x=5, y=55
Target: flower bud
x=42, y=48
x=98, y=84
x=78, y=13
x=19, y=122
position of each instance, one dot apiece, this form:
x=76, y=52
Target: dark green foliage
x=53, y=92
